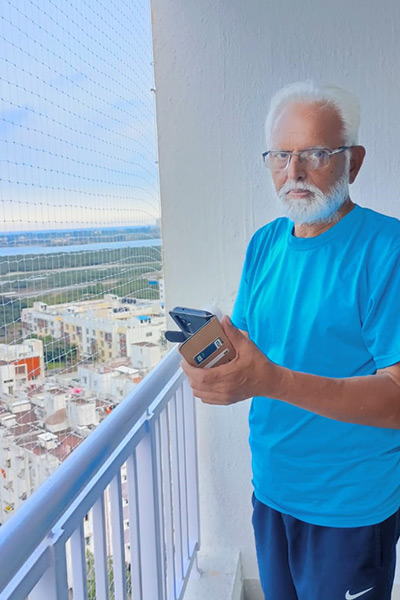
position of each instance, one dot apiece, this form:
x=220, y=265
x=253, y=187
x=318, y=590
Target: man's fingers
x=209, y=398
x=192, y=373
x=205, y=376
x=204, y=388
x=234, y=335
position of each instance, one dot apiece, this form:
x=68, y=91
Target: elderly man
x=317, y=342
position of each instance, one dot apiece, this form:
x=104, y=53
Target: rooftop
x=57, y=418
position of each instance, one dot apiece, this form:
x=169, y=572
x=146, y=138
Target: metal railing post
x=54, y=583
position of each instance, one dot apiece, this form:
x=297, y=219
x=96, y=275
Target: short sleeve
x=381, y=327
x=239, y=314
x=239, y=310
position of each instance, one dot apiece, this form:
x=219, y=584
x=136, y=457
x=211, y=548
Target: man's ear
x=356, y=160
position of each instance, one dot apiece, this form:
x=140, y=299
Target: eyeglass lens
x=312, y=159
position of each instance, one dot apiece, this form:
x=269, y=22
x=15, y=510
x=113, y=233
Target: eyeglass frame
x=290, y=153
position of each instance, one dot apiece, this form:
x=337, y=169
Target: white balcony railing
x=153, y=435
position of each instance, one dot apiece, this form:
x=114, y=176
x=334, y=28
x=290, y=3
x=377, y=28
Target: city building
x=43, y=320
x=118, y=342
x=42, y=423
x=111, y=381
x=20, y=364
x=100, y=329
x=29, y=452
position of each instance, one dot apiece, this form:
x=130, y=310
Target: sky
x=77, y=114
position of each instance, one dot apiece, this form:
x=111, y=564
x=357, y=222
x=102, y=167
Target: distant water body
x=35, y=250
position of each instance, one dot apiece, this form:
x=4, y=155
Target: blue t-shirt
x=330, y=306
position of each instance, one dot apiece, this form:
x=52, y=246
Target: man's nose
x=295, y=169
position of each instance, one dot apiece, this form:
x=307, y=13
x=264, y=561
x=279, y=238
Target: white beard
x=318, y=207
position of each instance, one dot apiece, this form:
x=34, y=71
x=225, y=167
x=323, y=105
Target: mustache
x=299, y=186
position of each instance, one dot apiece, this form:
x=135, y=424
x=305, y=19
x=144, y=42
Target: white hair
x=326, y=95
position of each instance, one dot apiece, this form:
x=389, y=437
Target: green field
x=71, y=277
x=63, y=260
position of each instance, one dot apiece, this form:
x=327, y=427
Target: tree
x=57, y=350
x=91, y=580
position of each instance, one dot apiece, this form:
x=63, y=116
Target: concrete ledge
x=215, y=577
x=251, y=590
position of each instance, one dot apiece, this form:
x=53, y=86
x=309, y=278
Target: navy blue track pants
x=300, y=561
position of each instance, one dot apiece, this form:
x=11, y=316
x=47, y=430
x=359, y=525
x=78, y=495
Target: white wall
x=217, y=63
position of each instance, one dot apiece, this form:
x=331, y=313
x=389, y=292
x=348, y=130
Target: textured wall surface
x=217, y=63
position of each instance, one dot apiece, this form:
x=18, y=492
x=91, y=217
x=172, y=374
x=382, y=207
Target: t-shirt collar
x=345, y=224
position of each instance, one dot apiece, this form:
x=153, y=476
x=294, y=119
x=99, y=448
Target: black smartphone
x=189, y=320
x=202, y=341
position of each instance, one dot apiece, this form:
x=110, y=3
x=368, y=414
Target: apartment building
x=20, y=364
x=113, y=335
x=43, y=320
x=101, y=329
x=111, y=381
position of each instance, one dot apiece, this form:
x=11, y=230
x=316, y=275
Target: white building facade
x=100, y=329
x=20, y=364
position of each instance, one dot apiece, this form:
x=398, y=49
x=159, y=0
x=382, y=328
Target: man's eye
x=282, y=155
x=318, y=154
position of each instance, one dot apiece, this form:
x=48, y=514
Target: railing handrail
x=70, y=478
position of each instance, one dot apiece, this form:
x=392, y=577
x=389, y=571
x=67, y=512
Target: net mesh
x=81, y=282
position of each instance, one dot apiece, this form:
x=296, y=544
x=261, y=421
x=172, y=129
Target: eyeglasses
x=312, y=158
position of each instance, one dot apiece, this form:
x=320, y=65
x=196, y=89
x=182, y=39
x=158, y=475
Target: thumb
x=234, y=335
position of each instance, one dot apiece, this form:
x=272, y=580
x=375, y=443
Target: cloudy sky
x=77, y=114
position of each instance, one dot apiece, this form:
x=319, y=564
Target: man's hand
x=249, y=374
x=372, y=400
